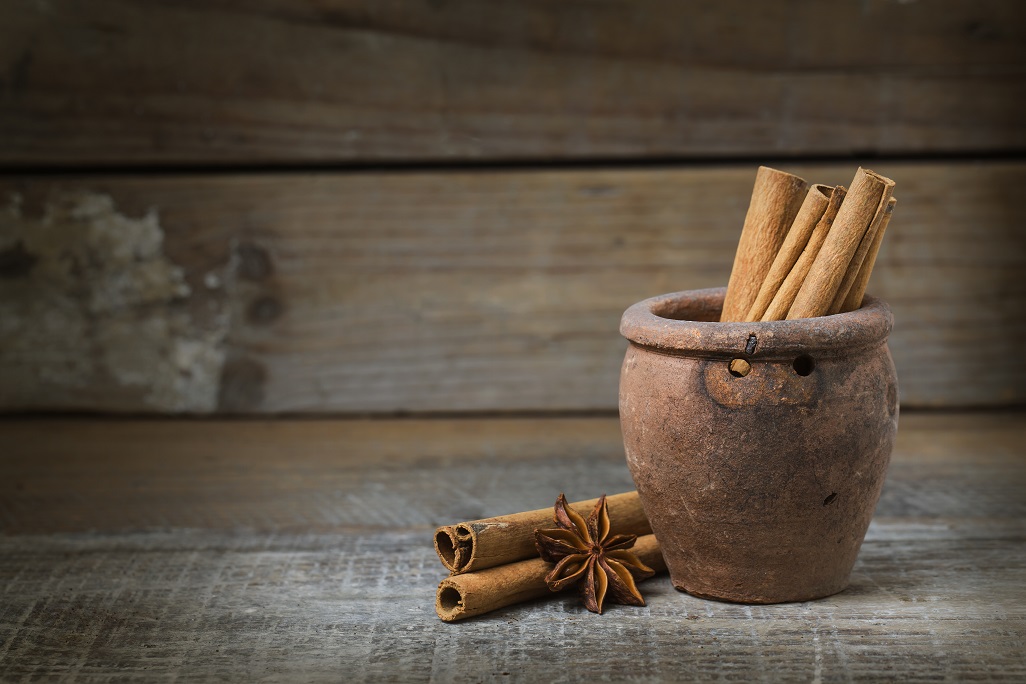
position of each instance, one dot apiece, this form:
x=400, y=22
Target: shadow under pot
x=758, y=449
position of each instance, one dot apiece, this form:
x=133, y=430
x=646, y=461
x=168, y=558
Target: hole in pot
x=739, y=368
x=804, y=365
x=830, y=499
x=450, y=599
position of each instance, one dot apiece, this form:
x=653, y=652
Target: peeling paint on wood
x=89, y=300
x=471, y=291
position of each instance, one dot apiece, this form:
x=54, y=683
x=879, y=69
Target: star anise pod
x=585, y=553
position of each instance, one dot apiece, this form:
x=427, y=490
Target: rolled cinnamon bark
x=491, y=542
x=858, y=289
x=476, y=593
x=866, y=198
x=776, y=199
x=816, y=202
x=784, y=297
x=859, y=257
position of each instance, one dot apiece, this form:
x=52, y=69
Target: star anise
x=585, y=553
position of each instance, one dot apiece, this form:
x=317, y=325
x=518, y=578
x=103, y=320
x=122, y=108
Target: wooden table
x=301, y=550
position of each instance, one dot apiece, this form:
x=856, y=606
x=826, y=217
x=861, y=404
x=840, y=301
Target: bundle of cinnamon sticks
x=807, y=251
x=494, y=563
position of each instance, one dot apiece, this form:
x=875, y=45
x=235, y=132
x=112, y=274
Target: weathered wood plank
x=331, y=475
x=198, y=606
x=79, y=475
x=449, y=291
x=215, y=587
x=275, y=81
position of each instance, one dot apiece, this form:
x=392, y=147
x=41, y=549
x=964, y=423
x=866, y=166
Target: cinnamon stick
x=855, y=265
x=475, y=593
x=858, y=289
x=491, y=542
x=816, y=202
x=867, y=197
x=784, y=297
x=776, y=199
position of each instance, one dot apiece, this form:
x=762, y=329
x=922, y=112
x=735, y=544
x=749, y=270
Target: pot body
x=759, y=478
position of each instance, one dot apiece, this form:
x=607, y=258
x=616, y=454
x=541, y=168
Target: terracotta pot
x=759, y=476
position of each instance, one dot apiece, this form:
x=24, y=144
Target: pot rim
x=653, y=323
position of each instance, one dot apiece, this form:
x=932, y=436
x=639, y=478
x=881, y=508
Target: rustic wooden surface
x=278, y=551
x=450, y=291
x=280, y=81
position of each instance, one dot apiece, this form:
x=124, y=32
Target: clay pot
x=758, y=449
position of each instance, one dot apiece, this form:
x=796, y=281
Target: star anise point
x=586, y=554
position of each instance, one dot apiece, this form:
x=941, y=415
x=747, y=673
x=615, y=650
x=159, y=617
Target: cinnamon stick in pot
x=491, y=542
x=855, y=266
x=776, y=199
x=784, y=297
x=475, y=593
x=858, y=289
x=866, y=198
x=815, y=205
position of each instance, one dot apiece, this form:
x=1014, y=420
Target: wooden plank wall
x=214, y=81
x=279, y=207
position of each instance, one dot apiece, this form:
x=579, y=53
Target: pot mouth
x=687, y=323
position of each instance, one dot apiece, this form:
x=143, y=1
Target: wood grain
x=457, y=291
x=180, y=552
x=198, y=606
x=290, y=475
x=279, y=81
x=72, y=476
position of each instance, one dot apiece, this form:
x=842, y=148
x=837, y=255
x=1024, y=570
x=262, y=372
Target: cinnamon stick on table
x=866, y=199
x=858, y=288
x=475, y=593
x=784, y=297
x=487, y=543
x=776, y=199
x=816, y=202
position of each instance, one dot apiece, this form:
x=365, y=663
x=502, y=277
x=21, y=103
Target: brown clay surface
x=760, y=488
